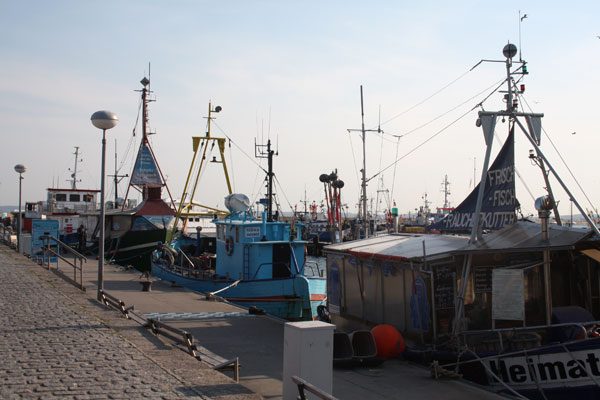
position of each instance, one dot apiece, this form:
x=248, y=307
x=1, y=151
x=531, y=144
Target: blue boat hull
x=293, y=298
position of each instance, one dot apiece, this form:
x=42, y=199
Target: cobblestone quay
x=57, y=342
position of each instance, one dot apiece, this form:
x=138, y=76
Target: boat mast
x=364, y=168
x=74, y=174
x=116, y=177
x=363, y=199
x=446, y=190
x=264, y=151
x=532, y=132
x=487, y=120
x=145, y=143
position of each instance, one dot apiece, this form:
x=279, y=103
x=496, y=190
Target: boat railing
x=187, y=268
x=185, y=257
x=313, y=265
x=525, y=336
x=76, y=263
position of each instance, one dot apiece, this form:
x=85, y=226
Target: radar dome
x=237, y=203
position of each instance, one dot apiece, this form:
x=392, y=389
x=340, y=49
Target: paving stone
x=55, y=343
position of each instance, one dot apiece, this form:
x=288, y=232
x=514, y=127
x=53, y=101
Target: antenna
x=379, y=121
x=521, y=18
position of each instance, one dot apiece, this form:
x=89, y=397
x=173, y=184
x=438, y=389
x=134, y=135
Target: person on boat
x=81, y=238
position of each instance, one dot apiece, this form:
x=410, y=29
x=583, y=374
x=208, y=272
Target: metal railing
x=305, y=386
x=512, y=334
x=177, y=335
x=111, y=301
x=76, y=263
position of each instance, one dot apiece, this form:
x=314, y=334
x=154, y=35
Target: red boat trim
x=318, y=297
x=262, y=299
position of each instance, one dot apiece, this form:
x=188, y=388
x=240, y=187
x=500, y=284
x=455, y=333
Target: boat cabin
x=413, y=281
x=252, y=249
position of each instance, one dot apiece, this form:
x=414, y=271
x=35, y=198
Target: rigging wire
x=479, y=104
x=231, y=164
x=252, y=159
x=283, y=193
x=427, y=98
x=496, y=84
x=425, y=142
x=354, y=158
x=562, y=159
x=516, y=170
x=395, y=168
x=239, y=148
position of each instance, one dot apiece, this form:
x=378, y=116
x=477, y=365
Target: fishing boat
x=132, y=234
x=516, y=309
x=71, y=206
x=259, y=262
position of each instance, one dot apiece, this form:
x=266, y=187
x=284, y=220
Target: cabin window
x=120, y=223
x=160, y=221
x=74, y=197
x=61, y=197
x=142, y=224
x=190, y=219
x=88, y=198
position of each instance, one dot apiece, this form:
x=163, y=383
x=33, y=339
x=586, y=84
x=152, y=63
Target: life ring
x=229, y=245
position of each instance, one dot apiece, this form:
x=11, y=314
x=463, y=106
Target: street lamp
x=20, y=169
x=102, y=120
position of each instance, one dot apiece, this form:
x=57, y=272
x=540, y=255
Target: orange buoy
x=389, y=341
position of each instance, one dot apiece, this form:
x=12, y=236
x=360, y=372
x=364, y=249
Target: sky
x=291, y=72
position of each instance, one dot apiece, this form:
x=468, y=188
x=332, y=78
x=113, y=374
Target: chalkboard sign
x=444, y=282
x=482, y=278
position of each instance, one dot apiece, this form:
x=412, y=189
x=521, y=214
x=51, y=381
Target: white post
x=308, y=354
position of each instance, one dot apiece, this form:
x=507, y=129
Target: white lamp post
x=20, y=169
x=102, y=120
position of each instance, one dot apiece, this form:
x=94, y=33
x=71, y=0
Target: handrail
x=268, y=263
x=77, y=257
x=175, y=334
x=304, y=385
x=186, y=257
x=112, y=301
